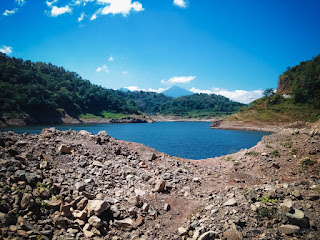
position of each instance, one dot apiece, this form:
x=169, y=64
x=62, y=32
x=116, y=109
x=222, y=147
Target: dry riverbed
x=76, y=185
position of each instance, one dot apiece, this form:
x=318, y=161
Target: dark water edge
x=191, y=140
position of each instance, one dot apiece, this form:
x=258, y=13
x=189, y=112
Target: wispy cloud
x=182, y=79
x=242, y=96
x=124, y=72
x=5, y=49
x=56, y=11
x=10, y=12
x=20, y=2
x=123, y=7
x=80, y=19
x=180, y=3
x=135, y=88
x=104, y=68
x=82, y=2
x=111, y=59
x=49, y=4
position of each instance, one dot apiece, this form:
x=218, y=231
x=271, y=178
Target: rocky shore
x=76, y=185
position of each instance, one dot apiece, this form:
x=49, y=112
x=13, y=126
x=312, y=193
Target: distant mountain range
x=174, y=92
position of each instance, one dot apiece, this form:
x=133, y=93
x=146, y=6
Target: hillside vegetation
x=200, y=105
x=43, y=91
x=40, y=88
x=301, y=84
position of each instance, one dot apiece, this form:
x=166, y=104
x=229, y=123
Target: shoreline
x=255, y=126
x=16, y=123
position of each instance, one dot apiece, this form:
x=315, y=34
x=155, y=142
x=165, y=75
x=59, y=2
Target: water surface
x=192, y=140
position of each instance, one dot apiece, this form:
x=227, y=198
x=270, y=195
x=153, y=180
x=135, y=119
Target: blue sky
x=233, y=48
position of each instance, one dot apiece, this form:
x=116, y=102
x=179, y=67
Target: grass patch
x=275, y=153
x=293, y=151
x=276, y=107
x=267, y=199
x=229, y=159
x=266, y=212
x=104, y=115
x=268, y=146
x=253, y=153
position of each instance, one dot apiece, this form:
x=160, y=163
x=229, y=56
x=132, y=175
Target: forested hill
x=302, y=82
x=297, y=97
x=43, y=90
x=40, y=88
x=200, y=105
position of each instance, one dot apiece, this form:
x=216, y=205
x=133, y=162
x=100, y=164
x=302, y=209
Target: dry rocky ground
x=75, y=185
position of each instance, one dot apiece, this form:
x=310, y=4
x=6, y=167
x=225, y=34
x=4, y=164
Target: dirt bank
x=255, y=126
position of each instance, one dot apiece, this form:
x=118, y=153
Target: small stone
x=286, y=206
x=230, y=202
x=64, y=149
x=44, y=165
x=95, y=221
x=96, y=207
x=289, y=229
x=182, y=231
x=166, y=207
x=97, y=164
x=139, y=221
x=209, y=235
x=125, y=224
x=82, y=215
x=27, y=201
x=82, y=203
x=232, y=234
x=159, y=186
x=80, y=186
x=86, y=232
x=54, y=204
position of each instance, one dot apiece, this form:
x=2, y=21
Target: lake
x=192, y=140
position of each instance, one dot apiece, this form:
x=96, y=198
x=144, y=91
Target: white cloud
x=117, y=7
x=103, y=68
x=5, y=49
x=49, y=4
x=135, y=88
x=124, y=72
x=56, y=11
x=81, y=17
x=159, y=90
x=111, y=59
x=82, y=2
x=183, y=79
x=237, y=95
x=20, y=2
x=8, y=13
x=180, y=3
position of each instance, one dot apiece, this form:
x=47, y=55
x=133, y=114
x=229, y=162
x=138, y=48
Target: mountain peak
x=176, y=91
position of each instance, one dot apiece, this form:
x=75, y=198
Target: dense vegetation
x=200, y=105
x=40, y=88
x=44, y=90
x=302, y=83
x=147, y=102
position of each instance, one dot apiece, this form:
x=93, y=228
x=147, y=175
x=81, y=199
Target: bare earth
x=50, y=181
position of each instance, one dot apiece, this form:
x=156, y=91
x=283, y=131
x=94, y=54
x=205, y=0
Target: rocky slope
x=75, y=185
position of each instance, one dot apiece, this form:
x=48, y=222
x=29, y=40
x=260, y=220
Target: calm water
x=192, y=140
